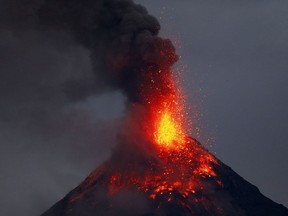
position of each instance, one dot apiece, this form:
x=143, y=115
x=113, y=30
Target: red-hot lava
x=181, y=166
x=165, y=121
x=179, y=175
x=180, y=170
x=181, y=163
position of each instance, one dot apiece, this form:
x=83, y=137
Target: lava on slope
x=187, y=181
x=180, y=170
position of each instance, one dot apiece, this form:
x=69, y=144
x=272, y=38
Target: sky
x=234, y=55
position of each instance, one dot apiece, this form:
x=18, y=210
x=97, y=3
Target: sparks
x=166, y=124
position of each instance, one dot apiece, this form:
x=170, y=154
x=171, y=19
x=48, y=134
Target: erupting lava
x=179, y=164
x=169, y=123
x=180, y=167
x=165, y=104
x=168, y=131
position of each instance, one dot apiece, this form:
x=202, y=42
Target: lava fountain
x=179, y=163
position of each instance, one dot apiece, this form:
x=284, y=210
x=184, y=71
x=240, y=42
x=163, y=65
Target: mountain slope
x=186, y=181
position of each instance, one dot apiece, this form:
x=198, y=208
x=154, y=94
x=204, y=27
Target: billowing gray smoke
x=122, y=37
x=126, y=51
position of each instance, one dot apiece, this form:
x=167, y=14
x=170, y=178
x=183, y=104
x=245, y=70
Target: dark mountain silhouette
x=200, y=185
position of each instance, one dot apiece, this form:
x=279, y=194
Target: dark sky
x=236, y=72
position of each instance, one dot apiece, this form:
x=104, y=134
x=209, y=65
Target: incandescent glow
x=165, y=123
x=179, y=168
x=179, y=174
x=168, y=130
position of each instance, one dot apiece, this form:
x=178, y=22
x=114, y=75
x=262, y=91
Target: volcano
x=155, y=169
x=183, y=181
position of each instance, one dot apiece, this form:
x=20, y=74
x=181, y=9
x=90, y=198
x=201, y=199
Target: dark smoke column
x=126, y=51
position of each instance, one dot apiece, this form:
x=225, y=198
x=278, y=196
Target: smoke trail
x=126, y=51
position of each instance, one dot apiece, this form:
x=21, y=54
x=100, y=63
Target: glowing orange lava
x=165, y=103
x=179, y=169
x=168, y=131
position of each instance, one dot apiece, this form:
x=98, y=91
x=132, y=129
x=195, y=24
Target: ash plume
x=122, y=37
x=126, y=51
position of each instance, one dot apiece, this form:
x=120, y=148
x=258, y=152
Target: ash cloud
x=122, y=38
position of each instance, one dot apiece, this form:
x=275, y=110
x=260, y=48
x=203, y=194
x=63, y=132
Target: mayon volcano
x=185, y=181
x=155, y=169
